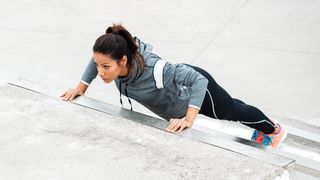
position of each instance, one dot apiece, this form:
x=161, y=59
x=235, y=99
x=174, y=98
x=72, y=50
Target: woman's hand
x=70, y=94
x=178, y=125
x=186, y=122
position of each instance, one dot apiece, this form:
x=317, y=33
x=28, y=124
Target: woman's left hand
x=178, y=125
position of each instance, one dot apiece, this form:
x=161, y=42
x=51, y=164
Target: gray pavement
x=45, y=138
x=301, y=146
x=265, y=53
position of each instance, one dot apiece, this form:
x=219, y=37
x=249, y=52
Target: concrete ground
x=265, y=52
x=45, y=138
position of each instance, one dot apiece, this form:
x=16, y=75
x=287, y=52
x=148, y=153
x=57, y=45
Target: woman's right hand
x=70, y=94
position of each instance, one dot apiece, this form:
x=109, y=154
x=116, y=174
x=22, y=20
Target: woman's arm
x=89, y=74
x=196, y=85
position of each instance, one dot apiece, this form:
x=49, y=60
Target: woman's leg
x=220, y=105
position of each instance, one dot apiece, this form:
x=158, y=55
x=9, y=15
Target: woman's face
x=109, y=69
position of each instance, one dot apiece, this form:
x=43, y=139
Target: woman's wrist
x=80, y=91
x=82, y=87
x=191, y=114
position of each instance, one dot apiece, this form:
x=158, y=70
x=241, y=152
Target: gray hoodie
x=166, y=89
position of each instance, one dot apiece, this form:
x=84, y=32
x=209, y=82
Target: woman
x=175, y=92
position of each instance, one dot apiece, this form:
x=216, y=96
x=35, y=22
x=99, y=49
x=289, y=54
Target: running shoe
x=261, y=138
x=277, y=138
x=273, y=140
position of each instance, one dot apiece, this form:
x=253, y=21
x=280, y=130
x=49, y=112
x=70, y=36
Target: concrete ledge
x=65, y=140
x=235, y=144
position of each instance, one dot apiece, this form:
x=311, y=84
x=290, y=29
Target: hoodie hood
x=145, y=50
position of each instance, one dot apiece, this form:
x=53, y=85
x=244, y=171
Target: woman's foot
x=273, y=140
x=278, y=136
x=261, y=138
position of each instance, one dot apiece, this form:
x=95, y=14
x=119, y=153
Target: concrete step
x=214, y=139
x=301, y=145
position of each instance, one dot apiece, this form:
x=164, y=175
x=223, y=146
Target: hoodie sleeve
x=90, y=73
x=188, y=79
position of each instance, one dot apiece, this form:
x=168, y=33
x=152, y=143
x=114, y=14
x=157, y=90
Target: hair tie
x=115, y=32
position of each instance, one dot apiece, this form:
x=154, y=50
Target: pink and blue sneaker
x=273, y=140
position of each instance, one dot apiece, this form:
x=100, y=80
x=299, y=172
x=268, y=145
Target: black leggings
x=220, y=105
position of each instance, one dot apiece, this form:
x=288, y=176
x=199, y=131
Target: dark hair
x=117, y=42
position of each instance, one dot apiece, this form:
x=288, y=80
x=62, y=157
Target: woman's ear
x=124, y=60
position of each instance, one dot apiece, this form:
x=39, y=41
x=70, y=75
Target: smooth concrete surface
x=46, y=138
x=265, y=53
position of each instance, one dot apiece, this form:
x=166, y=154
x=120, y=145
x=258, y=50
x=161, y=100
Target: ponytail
x=118, y=42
